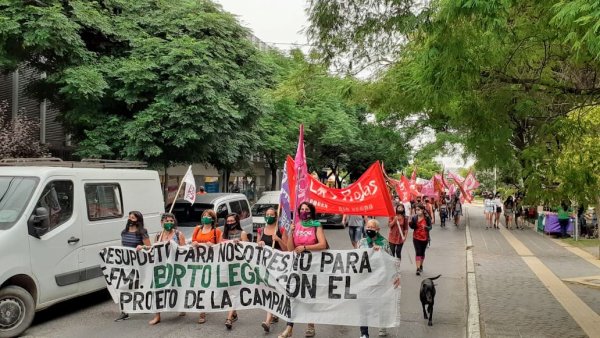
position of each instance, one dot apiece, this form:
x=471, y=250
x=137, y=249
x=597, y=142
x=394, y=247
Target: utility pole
x=495, y=180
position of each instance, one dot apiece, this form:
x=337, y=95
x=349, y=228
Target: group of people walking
x=512, y=207
x=308, y=235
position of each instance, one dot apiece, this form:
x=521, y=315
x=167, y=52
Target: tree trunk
x=273, y=176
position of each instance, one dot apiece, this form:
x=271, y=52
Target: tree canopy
x=491, y=75
x=161, y=81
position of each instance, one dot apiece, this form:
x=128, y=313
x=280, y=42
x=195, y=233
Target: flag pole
x=178, y=190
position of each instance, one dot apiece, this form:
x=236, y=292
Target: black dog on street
x=427, y=296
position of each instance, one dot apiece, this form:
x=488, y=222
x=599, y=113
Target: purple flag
x=285, y=218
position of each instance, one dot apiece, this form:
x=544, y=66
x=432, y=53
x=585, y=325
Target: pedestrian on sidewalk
x=489, y=209
x=498, y=205
x=377, y=242
x=421, y=225
x=509, y=207
x=564, y=215
x=398, y=231
x=306, y=236
x=134, y=236
x=355, y=224
x=519, y=213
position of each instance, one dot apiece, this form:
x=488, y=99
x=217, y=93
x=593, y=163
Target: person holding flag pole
x=306, y=233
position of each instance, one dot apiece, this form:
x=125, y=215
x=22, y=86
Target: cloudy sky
x=280, y=23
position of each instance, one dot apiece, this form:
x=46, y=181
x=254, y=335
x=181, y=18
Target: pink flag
x=471, y=182
x=466, y=194
x=301, y=171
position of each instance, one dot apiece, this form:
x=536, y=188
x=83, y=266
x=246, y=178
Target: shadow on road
x=71, y=306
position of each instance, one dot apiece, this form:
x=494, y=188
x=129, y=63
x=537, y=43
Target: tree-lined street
x=513, y=301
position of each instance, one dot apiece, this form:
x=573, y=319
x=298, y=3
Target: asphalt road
x=93, y=315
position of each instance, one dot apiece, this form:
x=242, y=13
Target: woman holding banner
x=134, y=236
x=206, y=234
x=233, y=232
x=421, y=224
x=377, y=242
x=308, y=235
x=271, y=235
x=169, y=233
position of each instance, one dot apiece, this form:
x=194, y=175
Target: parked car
x=330, y=220
x=269, y=199
x=188, y=215
x=54, y=220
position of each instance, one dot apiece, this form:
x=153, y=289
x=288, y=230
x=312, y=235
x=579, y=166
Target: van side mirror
x=39, y=222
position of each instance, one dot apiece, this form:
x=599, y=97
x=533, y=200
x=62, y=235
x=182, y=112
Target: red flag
x=412, y=188
x=459, y=183
x=368, y=196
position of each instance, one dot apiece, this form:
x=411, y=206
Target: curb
x=473, y=326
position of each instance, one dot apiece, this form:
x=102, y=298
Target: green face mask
x=168, y=226
x=270, y=219
x=207, y=220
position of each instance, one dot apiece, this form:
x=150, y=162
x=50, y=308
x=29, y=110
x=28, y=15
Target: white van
x=53, y=223
x=269, y=199
x=188, y=215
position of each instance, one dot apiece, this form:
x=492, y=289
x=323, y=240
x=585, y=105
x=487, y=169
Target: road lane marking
x=585, y=317
x=579, y=252
x=473, y=328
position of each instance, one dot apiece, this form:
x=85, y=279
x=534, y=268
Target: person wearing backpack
x=273, y=236
x=169, y=233
x=421, y=225
x=206, y=234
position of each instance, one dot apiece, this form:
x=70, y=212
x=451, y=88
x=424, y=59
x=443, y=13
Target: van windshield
x=188, y=215
x=261, y=209
x=15, y=193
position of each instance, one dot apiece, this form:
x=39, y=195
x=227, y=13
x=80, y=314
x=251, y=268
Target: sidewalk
x=521, y=287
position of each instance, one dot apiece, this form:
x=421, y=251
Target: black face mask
x=400, y=212
x=371, y=233
x=131, y=223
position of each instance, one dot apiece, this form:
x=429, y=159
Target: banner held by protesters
x=312, y=287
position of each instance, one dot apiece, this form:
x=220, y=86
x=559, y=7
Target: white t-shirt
x=407, y=209
x=498, y=203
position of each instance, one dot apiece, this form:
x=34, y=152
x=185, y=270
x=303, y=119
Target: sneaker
x=364, y=336
x=418, y=272
x=382, y=332
x=123, y=316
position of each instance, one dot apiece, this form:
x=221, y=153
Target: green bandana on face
x=308, y=224
x=270, y=219
x=378, y=240
x=207, y=220
x=168, y=226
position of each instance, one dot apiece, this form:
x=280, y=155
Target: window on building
x=103, y=201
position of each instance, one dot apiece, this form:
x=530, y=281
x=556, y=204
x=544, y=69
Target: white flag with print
x=190, y=186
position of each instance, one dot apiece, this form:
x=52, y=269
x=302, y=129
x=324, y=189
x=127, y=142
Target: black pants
x=396, y=250
x=564, y=224
x=420, y=247
x=364, y=330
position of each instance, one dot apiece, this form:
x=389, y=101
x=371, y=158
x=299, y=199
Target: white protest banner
x=341, y=287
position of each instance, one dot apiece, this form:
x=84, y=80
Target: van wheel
x=17, y=309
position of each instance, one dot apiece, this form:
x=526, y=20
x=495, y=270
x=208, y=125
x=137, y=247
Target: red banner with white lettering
x=368, y=196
